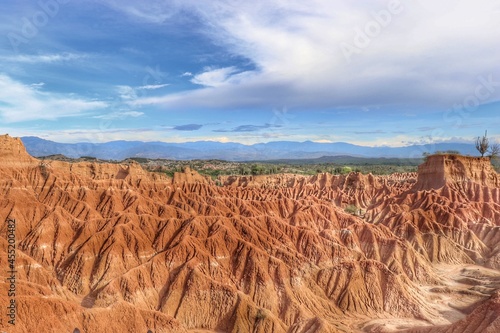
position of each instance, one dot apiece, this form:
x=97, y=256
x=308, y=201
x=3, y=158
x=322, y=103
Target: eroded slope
x=112, y=247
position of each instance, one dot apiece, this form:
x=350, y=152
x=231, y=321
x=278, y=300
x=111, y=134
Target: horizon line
x=321, y=142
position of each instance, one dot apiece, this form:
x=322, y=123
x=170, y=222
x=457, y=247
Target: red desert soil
x=113, y=248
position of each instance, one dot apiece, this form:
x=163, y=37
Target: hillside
x=113, y=248
x=230, y=151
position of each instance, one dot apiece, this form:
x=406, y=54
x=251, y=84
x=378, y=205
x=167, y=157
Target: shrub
x=351, y=209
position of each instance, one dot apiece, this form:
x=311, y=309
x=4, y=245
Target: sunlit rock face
x=113, y=248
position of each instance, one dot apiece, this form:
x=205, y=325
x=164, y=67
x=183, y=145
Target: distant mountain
x=119, y=150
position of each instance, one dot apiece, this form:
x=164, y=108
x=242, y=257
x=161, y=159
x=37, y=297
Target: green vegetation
x=484, y=146
x=352, y=209
x=494, y=150
x=337, y=165
x=261, y=315
x=440, y=152
x=344, y=165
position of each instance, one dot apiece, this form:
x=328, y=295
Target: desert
x=114, y=248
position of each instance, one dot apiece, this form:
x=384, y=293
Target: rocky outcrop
x=440, y=170
x=112, y=247
x=12, y=149
x=449, y=213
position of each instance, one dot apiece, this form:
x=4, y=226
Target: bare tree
x=482, y=144
x=494, y=150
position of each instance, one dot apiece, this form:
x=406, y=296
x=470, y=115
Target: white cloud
x=129, y=94
x=111, y=134
x=153, y=86
x=119, y=115
x=126, y=92
x=92, y=135
x=214, y=77
x=43, y=58
x=156, y=11
x=425, y=53
x=19, y=102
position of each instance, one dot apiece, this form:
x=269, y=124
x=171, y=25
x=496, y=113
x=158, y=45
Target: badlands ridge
x=113, y=248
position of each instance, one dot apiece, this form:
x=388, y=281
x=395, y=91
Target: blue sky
x=366, y=72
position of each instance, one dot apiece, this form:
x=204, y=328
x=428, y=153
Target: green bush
x=351, y=209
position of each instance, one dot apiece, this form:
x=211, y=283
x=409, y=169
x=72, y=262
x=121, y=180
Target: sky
x=369, y=72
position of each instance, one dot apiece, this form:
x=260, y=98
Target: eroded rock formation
x=113, y=248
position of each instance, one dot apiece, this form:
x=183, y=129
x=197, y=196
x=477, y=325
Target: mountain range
x=231, y=151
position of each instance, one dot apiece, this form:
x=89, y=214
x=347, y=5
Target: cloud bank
x=19, y=102
x=403, y=53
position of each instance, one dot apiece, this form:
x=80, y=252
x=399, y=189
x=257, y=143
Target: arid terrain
x=114, y=248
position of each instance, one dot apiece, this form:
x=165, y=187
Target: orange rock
x=113, y=248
